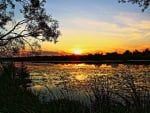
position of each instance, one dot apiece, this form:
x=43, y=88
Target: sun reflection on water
x=81, y=77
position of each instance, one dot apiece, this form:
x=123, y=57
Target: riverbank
x=88, y=59
x=140, y=62
x=99, y=62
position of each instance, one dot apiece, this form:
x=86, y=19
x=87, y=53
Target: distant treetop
x=144, y=4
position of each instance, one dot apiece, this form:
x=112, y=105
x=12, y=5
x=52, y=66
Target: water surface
x=79, y=80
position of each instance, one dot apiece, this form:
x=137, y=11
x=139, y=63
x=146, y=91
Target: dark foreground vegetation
x=109, y=94
x=17, y=99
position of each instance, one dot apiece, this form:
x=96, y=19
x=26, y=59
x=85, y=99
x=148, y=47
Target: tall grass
x=124, y=93
x=121, y=93
x=15, y=99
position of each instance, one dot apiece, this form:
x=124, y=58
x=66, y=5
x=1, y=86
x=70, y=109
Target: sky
x=93, y=26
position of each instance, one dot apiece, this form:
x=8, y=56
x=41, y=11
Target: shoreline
x=86, y=61
x=136, y=62
x=81, y=61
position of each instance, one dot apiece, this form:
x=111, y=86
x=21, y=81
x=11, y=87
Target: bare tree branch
x=36, y=24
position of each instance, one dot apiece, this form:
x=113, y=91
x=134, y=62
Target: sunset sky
x=98, y=26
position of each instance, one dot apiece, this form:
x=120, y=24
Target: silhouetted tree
x=21, y=21
x=137, y=55
x=127, y=55
x=146, y=54
x=23, y=76
x=144, y=4
x=113, y=56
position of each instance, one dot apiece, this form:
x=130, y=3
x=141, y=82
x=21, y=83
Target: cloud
x=115, y=30
x=120, y=26
x=120, y=32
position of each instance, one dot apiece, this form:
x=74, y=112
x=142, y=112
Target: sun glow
x=77, y=51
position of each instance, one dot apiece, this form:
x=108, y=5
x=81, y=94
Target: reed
x=15, y=99
x=123, y=93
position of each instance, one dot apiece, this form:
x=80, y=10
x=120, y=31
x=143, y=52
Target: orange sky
x=98, y=26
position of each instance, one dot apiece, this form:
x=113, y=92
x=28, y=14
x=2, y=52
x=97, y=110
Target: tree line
x=113, y=56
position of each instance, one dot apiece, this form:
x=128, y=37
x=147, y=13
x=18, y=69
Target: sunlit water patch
x=82, y=81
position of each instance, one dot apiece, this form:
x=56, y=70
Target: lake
x=84, y=82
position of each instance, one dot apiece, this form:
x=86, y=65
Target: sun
x=77, y=51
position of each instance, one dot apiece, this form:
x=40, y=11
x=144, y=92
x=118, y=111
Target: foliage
x=144, y=4
x=23, y=22
x=14, y=99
